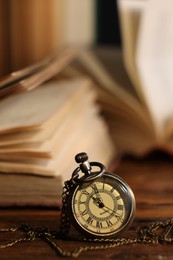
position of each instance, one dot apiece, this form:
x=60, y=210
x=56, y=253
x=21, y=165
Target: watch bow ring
x=99, y=204
x=85, y=167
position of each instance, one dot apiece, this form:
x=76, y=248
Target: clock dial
x=103, y=207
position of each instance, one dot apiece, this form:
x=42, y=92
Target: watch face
x=104, y=207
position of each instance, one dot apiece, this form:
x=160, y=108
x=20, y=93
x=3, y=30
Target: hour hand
x=98, y=202
x=94, y=187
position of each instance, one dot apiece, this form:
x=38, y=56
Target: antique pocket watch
x=98, y=204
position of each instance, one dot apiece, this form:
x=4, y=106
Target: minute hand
x=116, y=214
x=110, y=209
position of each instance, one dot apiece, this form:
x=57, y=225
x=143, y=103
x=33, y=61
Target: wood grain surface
x=152, y=183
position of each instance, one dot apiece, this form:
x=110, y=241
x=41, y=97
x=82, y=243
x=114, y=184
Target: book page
x=155, y=60
x=34, y=108
x=18, y=75
x=112, y=61
x=129, y=14
x=46, y=146
x=48, y=130
x=33, y=76
x=88, y=134
x=97, y=71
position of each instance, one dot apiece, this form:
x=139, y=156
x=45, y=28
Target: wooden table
x=152, y=183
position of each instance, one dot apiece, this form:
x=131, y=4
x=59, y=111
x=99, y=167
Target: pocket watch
x=97, y=204
x=100, y=206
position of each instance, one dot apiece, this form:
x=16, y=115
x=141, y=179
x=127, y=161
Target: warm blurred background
x=135, y=56
x=31, y=29
x=120, y=81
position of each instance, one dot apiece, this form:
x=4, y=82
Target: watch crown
x=85, y=166
x=81, y=157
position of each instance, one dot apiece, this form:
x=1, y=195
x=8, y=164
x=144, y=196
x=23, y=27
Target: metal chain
x=158, y=232
x=64, y=220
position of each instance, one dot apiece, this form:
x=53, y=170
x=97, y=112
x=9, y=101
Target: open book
x=21, y=190
x=132, y=123
x=42, y=129
x=46, y=119
x=139, y=111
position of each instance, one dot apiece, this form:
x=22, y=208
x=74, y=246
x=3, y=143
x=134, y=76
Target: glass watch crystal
x=101, y=203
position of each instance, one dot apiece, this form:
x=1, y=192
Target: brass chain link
x=158, y=232
x=64, y=220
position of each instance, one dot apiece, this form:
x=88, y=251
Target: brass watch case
x=128, y=199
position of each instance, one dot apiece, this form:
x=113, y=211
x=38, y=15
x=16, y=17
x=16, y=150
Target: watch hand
x=98, y=202
x=116, y=214
x=108, y=210
x=96, y=191
x=104, y=211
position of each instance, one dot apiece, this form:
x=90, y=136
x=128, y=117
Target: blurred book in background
x=43, y=125
x=43, y=128
x=55, y=105
x=32, y=29
x=4, y=40
x=140, y=113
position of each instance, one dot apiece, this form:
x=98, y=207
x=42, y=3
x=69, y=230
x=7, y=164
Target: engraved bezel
x=128, y=199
